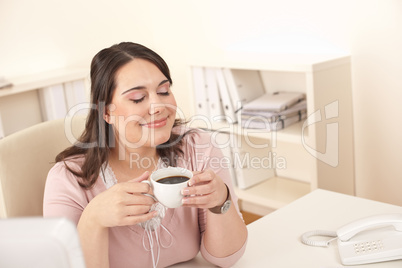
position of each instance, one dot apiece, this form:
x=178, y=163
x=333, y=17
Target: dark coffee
x=173, y=180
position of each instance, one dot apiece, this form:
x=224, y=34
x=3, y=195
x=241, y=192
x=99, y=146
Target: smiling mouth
x=156, y=124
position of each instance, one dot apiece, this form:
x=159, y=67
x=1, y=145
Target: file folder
x=214, y=98
x=200, y=91
x=226, y=100
x=53, y=102
x=243, y=85
x=75, y=93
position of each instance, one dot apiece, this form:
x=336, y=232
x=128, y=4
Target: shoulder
x=62, y=171
x=194, y=135
x=73, y=163
x=63, y=182
x=199, y=148
x=63, y=195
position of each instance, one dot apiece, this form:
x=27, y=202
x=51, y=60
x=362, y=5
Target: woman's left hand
x=206, y=190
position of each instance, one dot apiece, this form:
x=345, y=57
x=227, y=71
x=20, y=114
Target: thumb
x=197, y=172
x=143, y=176
x=193, y=180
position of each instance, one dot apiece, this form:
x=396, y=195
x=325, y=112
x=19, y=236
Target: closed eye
x=138, y=100
x=166, y=93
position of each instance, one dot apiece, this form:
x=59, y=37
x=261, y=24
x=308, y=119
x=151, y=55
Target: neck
x=128, y=163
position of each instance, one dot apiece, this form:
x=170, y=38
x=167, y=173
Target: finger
x=197, y=172
x=199, y=189
x=144, y=176
x=200, y=201
x=135, y=187
x=138, y=199
x=132, y=220
x=205, y=176
x=136, y=210
x=152, y=196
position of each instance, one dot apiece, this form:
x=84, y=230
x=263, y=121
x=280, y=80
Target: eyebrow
x=143, y=87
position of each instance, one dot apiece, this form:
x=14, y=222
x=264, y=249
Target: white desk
x=274, y=240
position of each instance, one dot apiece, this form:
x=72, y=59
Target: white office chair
x=25, y=160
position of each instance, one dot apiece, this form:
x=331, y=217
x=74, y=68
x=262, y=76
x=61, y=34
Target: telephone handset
x=368, y=240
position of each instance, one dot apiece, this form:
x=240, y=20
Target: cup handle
x=150, y=185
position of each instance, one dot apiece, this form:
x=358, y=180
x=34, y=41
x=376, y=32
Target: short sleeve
x=63, y=196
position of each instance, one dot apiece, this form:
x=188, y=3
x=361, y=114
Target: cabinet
x=31, y=100
x=318, y=152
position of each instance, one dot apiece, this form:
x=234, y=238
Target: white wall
x=377, y=82
x=45, y=34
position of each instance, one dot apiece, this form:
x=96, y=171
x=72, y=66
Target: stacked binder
x=221, y=93
x=238, y=96
x=274, y=111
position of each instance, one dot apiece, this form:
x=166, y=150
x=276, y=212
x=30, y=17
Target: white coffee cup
x=167, y=186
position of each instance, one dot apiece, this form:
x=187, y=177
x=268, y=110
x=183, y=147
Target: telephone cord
x=305, y=238
x=152, y=229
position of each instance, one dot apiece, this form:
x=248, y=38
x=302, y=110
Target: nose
x=157, y=106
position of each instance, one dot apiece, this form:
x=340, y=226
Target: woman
x=132, y=132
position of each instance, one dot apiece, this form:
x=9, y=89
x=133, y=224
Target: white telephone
x=368, y=240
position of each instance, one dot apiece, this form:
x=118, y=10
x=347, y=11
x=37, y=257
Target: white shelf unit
x=318, y=152
x=21, y=105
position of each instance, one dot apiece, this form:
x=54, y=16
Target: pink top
x=65, y=198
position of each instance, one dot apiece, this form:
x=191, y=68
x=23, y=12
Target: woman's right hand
x=122, y=204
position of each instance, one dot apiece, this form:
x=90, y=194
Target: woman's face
x=143, y=109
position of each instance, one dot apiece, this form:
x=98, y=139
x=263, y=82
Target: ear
x=106, y=115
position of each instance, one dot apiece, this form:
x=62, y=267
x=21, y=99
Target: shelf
x=274, y=193
x=41, y=80
x=325, y=80
x=275, y=62
x=290, y=134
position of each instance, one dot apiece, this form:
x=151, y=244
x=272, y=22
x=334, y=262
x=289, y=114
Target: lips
x=156, y=123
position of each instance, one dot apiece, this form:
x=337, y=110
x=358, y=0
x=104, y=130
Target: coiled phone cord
x=305, y=238
x=152, y=230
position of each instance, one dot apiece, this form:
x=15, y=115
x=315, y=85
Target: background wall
x=47, y=34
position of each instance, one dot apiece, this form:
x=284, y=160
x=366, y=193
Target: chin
x=159, y=136
x=161, y=139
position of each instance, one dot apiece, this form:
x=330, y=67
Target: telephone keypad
x=368, y=247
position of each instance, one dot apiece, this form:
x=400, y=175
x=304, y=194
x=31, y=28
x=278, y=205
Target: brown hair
x=98, y=132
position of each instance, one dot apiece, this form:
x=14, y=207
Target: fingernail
x=184, y=200
x=185, y=191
